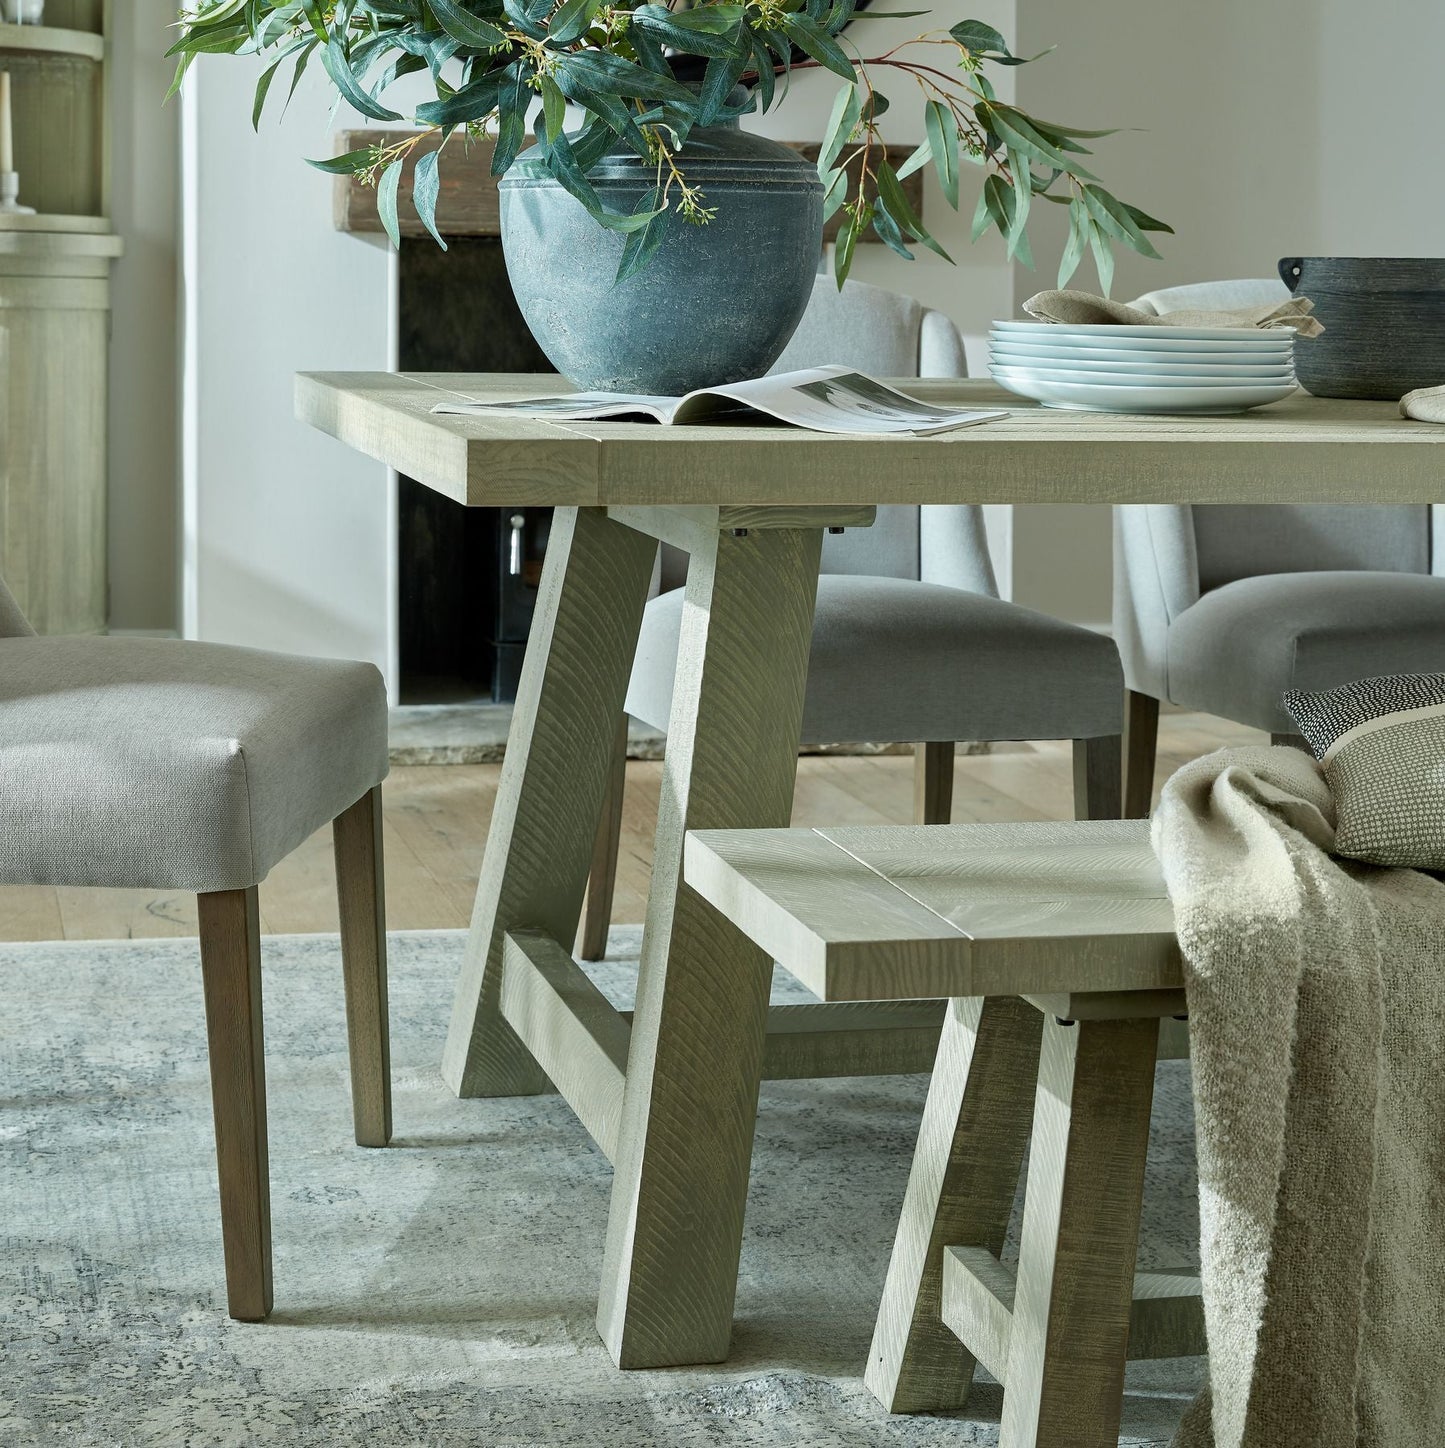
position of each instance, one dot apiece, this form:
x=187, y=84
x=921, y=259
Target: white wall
x=1297, y=127
x=144, y=359
x=288, y=533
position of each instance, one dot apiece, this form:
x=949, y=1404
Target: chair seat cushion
x=1239, y=648
x=158, y=764
x=894, y=661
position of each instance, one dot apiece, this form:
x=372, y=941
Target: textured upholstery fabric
x=1381, y=743
x=1156, y=577
x=1238, y=649
x=939, y=543
x=953, y=548
x=899, y=661
x=1220, y=296
x=1323, y=717
x=1234, y=541
x=940, y=347
x=889, y=549
x=156, y=764
x=13, y=623
x=890, y=335
x=866, y=327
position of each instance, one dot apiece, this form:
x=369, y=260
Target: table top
x=899, y=911
x=1302, y=450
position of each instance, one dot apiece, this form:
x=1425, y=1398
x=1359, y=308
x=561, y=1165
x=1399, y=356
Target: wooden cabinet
x=54, y=309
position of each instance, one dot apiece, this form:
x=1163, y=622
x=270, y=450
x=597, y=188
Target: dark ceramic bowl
x=1384, y=321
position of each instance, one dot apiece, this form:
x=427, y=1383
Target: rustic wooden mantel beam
x=468, y=203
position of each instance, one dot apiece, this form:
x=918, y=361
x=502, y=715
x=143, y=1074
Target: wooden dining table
x=668, y=1092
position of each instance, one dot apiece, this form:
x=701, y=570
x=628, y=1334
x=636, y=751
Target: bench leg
x=960, y=1192
x=231, y=975
x=1070, y=1330
x=602, y=878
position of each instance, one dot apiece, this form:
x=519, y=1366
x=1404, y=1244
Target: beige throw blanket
x=1317, y=1017
x=1083, y=308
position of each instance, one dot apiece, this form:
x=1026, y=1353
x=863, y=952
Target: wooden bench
x=1055, y=946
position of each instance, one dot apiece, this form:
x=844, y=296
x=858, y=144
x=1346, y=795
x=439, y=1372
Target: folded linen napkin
x=1083, y=308
x=1424, y=404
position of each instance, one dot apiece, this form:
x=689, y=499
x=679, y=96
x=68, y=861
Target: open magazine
x=824, y=399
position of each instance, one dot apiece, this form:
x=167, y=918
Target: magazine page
x=830, y=399
x=575, y=407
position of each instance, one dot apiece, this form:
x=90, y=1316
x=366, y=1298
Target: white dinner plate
x=1130, y=346
x=1125, y=379
x=1096, y=397
x=1233, y=335
x=1272, y=371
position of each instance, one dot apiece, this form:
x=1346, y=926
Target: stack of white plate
x=1143, y=369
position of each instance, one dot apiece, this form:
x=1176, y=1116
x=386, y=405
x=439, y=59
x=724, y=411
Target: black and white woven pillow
x=1382, y=745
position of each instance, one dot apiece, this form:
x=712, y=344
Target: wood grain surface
x=231, y=974
x=960, y=1191
x=669, y=1271
x=949, y=910
x=554, y=780
x=1302, y=450
x=361, y=897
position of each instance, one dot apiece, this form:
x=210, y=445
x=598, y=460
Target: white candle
x=7, y=140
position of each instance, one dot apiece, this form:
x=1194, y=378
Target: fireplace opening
x=467, y=576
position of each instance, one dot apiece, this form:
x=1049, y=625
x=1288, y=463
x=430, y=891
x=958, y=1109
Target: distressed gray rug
x=440, y=1292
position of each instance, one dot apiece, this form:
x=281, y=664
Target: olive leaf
x=618, y=65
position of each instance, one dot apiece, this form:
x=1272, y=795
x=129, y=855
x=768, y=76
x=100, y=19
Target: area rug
x=443, y=1291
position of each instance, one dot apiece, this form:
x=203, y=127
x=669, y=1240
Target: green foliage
x=489, y=61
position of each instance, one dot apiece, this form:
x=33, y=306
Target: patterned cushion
x=1382, y=744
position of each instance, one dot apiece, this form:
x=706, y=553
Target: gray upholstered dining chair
x=1222, y=608
x=911, y=642
x=160, y=764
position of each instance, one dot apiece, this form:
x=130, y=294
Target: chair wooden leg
x=1069, y=1335
x=602, y=878
x=1098, y=787
x=960, y=1192
x=1141, y=741
x=361, y=892
x=933, y=782
x=231, y=972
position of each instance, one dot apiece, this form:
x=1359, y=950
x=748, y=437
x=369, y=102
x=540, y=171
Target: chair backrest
x=1234, y=541
x=13, y=623
x=1223, y=296
x=890, y=335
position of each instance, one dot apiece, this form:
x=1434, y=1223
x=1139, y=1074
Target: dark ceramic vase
x=1384, y=321
x=715, y=304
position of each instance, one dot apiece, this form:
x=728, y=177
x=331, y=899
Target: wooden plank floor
x=436, y=825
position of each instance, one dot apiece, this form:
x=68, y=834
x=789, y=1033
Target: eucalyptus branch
x=618, y=65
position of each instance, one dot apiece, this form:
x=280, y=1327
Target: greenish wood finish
x=669, y=1271
x=549, y=802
